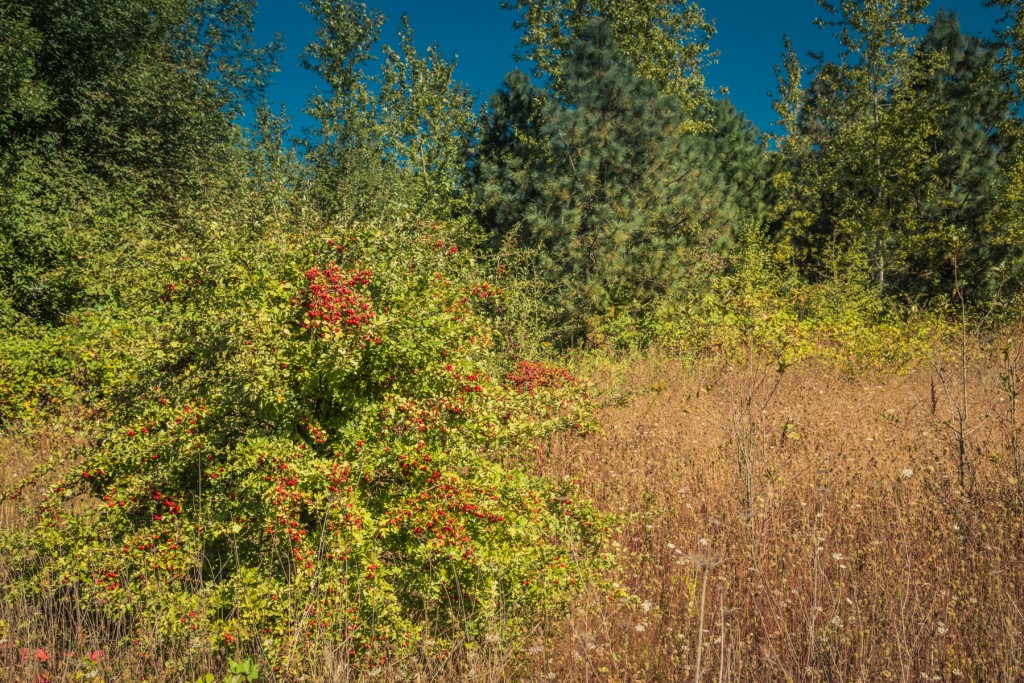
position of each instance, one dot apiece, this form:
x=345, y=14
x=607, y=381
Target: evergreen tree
x=599, y=178
x=667, y=41
x=973, y=102
x=732, y=155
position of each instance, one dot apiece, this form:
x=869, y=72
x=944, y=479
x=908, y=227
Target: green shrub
x=312, y=442
x=757, y=304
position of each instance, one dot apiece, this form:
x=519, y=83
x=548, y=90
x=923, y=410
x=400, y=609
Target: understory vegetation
x=595, y=381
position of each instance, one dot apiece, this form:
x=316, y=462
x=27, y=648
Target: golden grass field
x=803, y=526
x=849, y=553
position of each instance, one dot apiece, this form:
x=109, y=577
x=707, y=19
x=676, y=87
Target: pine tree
x=599, y=178
x=973, y=102
x=667, y=41
x=734, y=159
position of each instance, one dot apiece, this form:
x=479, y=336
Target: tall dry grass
x=802, y=526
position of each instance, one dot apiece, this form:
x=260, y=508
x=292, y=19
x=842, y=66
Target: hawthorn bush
x=311, y=442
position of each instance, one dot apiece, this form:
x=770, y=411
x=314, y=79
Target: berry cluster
x=529, y=376
x=334, y=299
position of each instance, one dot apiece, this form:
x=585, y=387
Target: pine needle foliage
x=667, y=41
x=602, y=176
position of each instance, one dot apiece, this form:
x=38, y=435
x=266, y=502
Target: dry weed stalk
x=1010, y=378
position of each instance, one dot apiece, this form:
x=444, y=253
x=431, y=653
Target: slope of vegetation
x=597, y=383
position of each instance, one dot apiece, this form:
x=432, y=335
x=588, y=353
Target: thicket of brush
x=597, y=384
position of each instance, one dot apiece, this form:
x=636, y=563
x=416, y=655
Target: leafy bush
x=311, y=442
x=757, y=304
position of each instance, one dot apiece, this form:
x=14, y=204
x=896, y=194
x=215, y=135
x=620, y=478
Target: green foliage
x=117, y=84
x=733, y=158
x=666, y=41
x=243, y=671
x=859, y=149
x=974, y=145
x=601, y=180
x=1010, y=37
x=393, y=141
x=314, y=429
x=897, y=151
x=37, y=375
x=1010, y=217
x=757, y=306
x=107, y=109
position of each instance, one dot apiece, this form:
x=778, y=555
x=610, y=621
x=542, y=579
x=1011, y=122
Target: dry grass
x=803, y=527
x=817, y=534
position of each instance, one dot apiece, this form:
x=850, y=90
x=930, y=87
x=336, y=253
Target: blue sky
x=749, y=42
